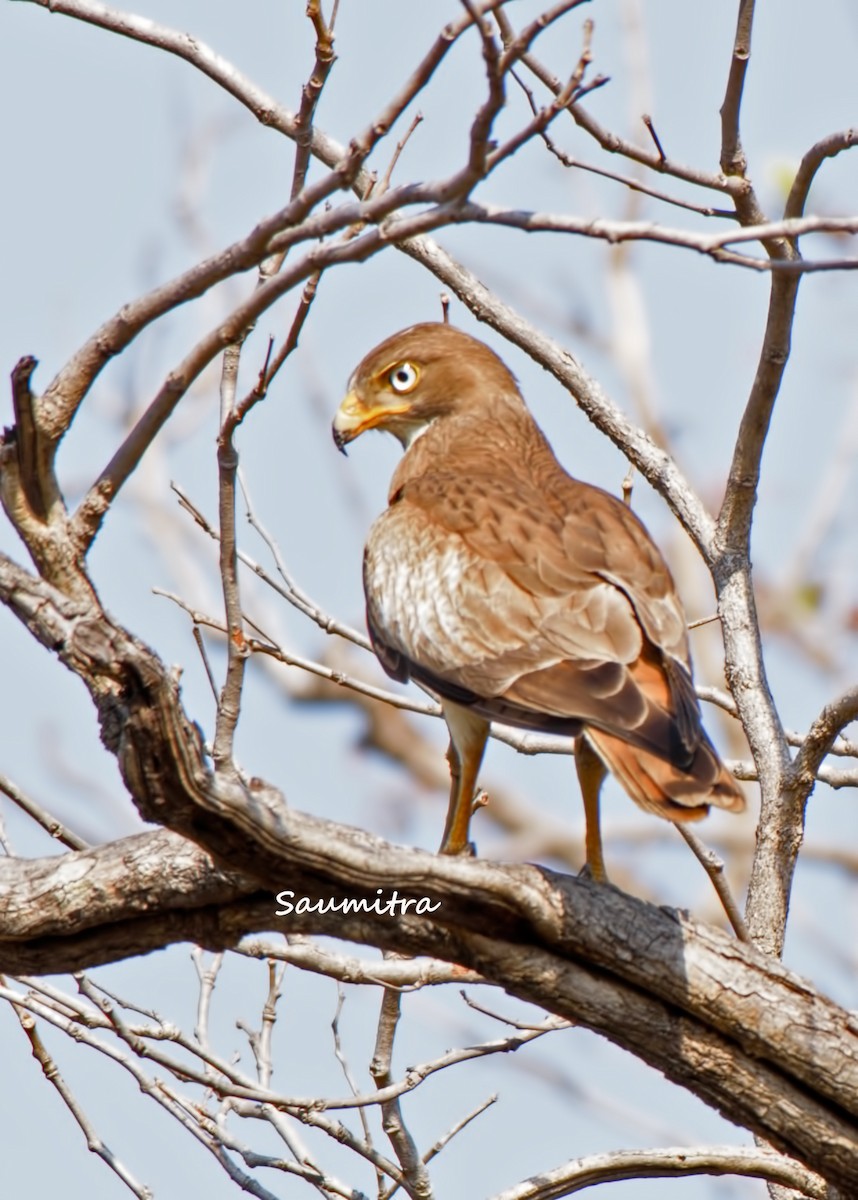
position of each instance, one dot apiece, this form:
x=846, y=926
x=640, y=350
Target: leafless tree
x=224, y=863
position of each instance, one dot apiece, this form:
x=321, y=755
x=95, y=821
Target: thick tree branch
x=714, y=1015
x=748, y=1035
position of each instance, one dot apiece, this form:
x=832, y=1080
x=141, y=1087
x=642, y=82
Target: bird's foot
x=468, y=850
x=594, y=872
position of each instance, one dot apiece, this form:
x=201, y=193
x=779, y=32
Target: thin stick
x=714, y=868
x=647, y=120
x=53, y=1076
x=415, y=1178
x=229, y=703
x=41, y=816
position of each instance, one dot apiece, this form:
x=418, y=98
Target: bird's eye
x=403, y=377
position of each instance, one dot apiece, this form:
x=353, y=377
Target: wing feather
x=508, y=586
x=492, y=600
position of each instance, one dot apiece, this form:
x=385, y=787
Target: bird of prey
x=519, y=594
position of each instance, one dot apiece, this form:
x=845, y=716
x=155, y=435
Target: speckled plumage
x=515, y=591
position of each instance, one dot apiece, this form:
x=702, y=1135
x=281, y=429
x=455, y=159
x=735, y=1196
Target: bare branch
x=55, y=1078
x=670, y=1163
x=712, y=245
x=384, y=183
x=229, y=701
x=821, y=736
x=404, y=974
x=415, y=1178
x=611, y=142
x=828, y=147
x=733, y=161
x=60, y=401
x=311, y=94
x=714, y=868
x=289, y=591
x=290, y=344
x=461, y=1124
x=35, y=463
x=727, y=1036
x=650, y=128
x=41, y=816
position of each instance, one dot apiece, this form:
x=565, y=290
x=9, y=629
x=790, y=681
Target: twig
x=326, y=1184
x=405, y=975
x=229, y=702
x=415, y=1178
x=207, y=975
x=311, y=93
x=384, y=182
x=308, y=295
x=549, y=1025
x=628, y=485
x=218, y=1136
x=41, y=816
x=273, y=650
x=53, y=1076
x=647, y=120
x=821, y=736
x=482, y=124
x=335, y=1130
x=827, y=147
x=340, y=1056
x=260, y=1041
x=733, y=161
x=542, y=118
x=701, y=621
x=95, y=992
x=715, y=246
x=289, y=591
x=447, y=1137
x=34, y=451
x=608, y=141
x=201, y=646
x=714, y=868
x=627, y=181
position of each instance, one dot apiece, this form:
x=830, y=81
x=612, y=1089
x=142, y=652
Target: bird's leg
x=468, y=734
x=591, y=771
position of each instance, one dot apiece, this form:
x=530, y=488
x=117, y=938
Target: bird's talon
x=469, y=850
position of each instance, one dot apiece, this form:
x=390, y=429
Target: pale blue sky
x=98, y=136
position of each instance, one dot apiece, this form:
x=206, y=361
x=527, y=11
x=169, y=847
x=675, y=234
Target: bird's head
x=415, y=377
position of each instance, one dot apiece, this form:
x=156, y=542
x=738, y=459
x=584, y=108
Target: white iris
x=403, y=378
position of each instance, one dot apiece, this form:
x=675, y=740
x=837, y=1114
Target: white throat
x=410, y=432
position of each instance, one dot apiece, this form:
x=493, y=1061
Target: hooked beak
x=354, y=417
x=347, y=423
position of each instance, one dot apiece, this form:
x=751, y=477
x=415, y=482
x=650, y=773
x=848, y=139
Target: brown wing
x=541, y=610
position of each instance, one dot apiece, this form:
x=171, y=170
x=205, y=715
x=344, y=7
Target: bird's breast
x=416, y=578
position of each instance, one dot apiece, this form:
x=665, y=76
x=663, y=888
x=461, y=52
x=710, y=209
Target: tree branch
x=672, y=1162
